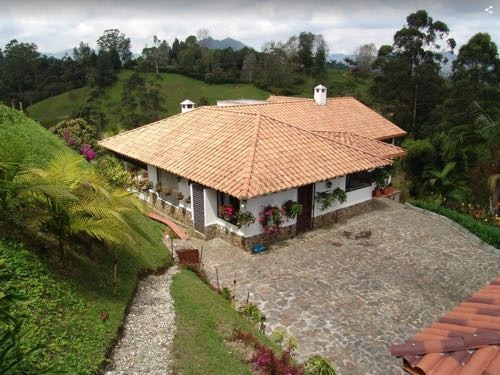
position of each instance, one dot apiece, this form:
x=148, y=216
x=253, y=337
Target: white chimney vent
x=187, y=106
x=320, y=95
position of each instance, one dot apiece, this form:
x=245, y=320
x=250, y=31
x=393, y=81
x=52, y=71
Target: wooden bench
x=181, y=233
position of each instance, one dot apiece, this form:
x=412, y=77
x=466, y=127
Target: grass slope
x=65, y=306
x=175, y=87
x=205, y=321
x=340, y=83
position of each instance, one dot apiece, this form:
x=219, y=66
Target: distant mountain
x=60, y=54
x=211, y=43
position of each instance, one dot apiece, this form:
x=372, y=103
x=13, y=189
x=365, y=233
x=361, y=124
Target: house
x=243, y=157
x=466, y=341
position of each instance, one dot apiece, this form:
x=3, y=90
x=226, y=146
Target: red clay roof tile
x=466, y=341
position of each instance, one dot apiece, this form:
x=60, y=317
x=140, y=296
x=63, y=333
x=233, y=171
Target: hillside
x=65, y=305
x=175, y=87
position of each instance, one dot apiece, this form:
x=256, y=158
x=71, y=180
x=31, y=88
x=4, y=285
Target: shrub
x=270, y=219
x=284, y=339
x=76, y=132
x=226, y=294
x=488, y=233
x=253, y=314
x=244, y=218
x=114, y=171
x=317, y=365
x=266, y=362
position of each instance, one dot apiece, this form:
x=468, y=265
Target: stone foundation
x=342, y=214
x=216, y=231
x=177, y=213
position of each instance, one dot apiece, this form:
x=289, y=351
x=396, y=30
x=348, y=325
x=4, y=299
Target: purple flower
x=87, y=151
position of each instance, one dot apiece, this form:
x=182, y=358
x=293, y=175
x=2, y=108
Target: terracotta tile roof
x=242, y=154
x=372, y=146
x=466, y=341
x=339, y=114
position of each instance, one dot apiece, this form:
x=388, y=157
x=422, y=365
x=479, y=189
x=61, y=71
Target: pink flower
x=87, y=151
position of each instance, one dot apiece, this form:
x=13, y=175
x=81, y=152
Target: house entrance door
x=198, y=208
x=305, y=198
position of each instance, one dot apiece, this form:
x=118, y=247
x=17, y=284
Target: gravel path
x=145, y=347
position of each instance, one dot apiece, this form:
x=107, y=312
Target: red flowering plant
x=271, y=218
x=228, y=212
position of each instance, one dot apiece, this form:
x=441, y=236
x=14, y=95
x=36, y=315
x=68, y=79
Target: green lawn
x=340, y=83
x=486, y=232
x=205, y=321
x=65, y=305
x=175, y=87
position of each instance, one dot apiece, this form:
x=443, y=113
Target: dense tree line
x=27, y=76
x=277, y=67
x=453, y=124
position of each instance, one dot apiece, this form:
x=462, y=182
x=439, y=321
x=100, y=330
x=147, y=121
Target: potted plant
x=292, y=209
x=158, y=187
x=228, y=212
x=326, y=198
x=180, y=196
x=270, y=218
x=188, y=200
x=167, y=191
x=244, y=218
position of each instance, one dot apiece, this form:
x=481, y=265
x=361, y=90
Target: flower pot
x=378, y=193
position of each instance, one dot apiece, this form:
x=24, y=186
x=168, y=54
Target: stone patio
x=348, y=292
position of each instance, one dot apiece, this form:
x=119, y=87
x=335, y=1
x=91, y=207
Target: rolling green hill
x=175, y=87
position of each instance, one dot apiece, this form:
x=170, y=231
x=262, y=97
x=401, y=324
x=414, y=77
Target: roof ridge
x=253, y=152
x=151, y=124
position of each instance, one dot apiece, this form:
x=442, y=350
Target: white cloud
x=56, y=25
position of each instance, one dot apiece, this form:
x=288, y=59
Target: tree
x=174, y=52
x=113, y=39
x=364, y=56
x=249, y=66
x=158, y=55
x=202, y=34
x=321, y=50
x=20, y=68
x=305, y=51
x=408, y=85
x=83, y=54
x=142, y=101
x=478, y=61
x=104, y=73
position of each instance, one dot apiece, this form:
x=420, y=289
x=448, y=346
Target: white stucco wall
x=353, y=197
x=152, y=175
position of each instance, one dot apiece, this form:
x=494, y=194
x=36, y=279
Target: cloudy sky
x=57, y=25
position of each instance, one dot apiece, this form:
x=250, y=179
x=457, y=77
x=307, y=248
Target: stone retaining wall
x=216, y=231
x=177, y=213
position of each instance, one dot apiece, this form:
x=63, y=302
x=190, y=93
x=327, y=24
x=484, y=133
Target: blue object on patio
x=258, y=248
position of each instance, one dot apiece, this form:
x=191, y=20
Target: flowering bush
x=265, y=361
x=271, y=218
x=88, y=152
x=228, y=212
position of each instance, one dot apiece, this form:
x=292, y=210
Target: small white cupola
x=186, y=106
x=320, y=95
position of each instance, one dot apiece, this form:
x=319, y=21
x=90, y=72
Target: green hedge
x=486, y=232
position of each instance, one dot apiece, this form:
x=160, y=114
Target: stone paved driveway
x=348, y=294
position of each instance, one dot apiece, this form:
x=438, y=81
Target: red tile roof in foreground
x=466, y=341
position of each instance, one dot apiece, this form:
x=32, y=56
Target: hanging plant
x=180, y=196
x=270, y=218
x=326, y=198
x=244, y=218
x=188, y=200
x=292, y=209
x=158, y=187
x=146, y=185
x=167, y=191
